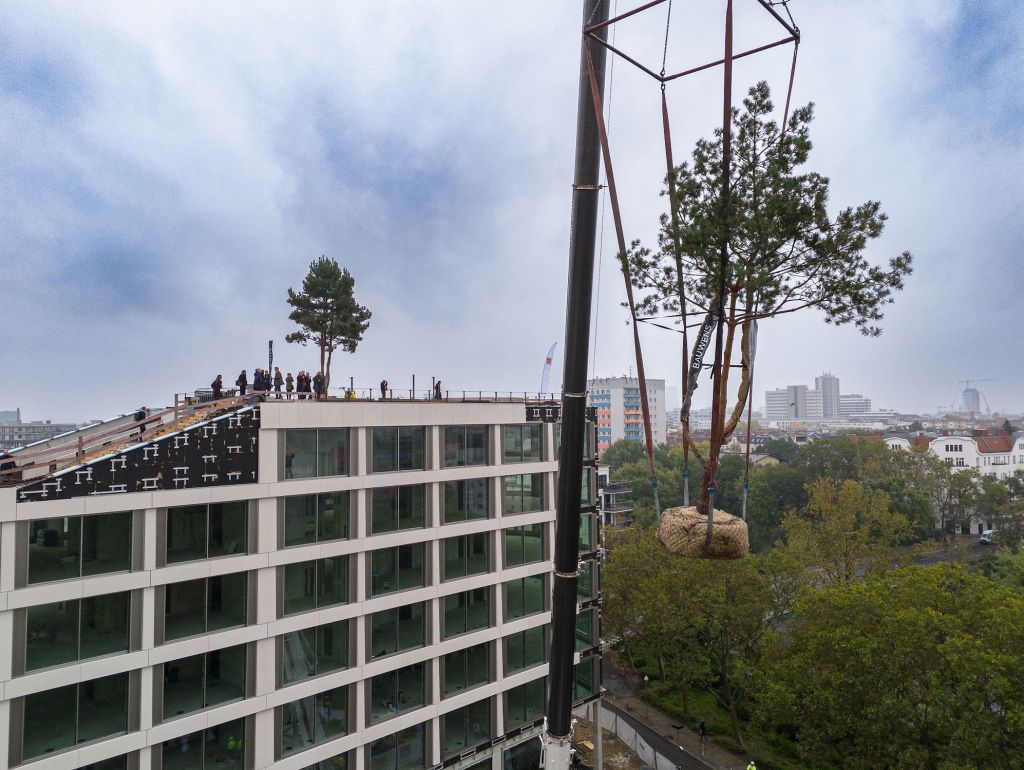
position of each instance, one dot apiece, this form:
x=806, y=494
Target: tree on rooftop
x=786, y=252
x=327, y=312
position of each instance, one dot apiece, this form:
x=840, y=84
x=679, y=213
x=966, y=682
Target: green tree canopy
x=623, y=452
x=914, y=669
x=327, y=312
x=782, y=449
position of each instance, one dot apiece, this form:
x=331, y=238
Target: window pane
x=532, y=449
x=54, y=549
x=184, y=753
x=184, y=604
x=524, y=493
x=299, y=587
x=228, y=528
x=410, y=566
x=104, y=625
x=411, y=687
x=298, y=655
x=337, y=762
x=224, y=747
x=411, y=443
x=534, y=647
x=385, y=510
x=585, y=582
x=383, y=633
x=114, y=763
x=586, y=533
x=454, y=725
x=383, y=571
x=412, y=506
x=106, y=543
x=533, y=543
x=299, y=454
x=479, y=722
x=585, y=630
x=225, y=675
x=465, y=500
x=411, y=626
x=524, y=597
x=513, y=444
x=454, y=446
x=51, y=634
x=331, y=714
x=405, y=750
x=49, y=721
x=332, y=581
x=454, y=558
x=583, y=679
x=513, y=537
x=524, y=703
x=226, y=601
x=455, y=614
x=299, y=520
x=332, y=647
x=476, y=445
x=332, y=452
x=102, y=707
x=477, y=553
x=333, y=515
x=385, y=450
x=297, y=725
x=383, y=692
x=183, y=686
x=186, y=533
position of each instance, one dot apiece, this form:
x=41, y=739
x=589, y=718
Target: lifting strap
x=613, y=198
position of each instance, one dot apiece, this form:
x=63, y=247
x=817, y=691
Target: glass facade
x=309, y=585
x=585, y=582
x=524, y=704
x=208, y=604
x=524, y=649
x=523, y=443
x=466, y=668
x=466, y=500
x=61, y=718
x=337, y=762
x=524, y=544
x=466, y=611
x=220, y=747
x=523, y=493
x=76, y=629
x=588, y=532
x=394, y=630
x=585, y=679
x=206, y=531
x=396, y=692
x=202, y=681
x=397, y=569
x=466, y=555
x=313, y=452
x=585, y=631
x=314, y=651
x=314, y=719
x=403, y=750
x=316, y=518
x=397, y=508
x=78, y=546
x=525, y=596
x=398, y=449
x=465, y=445
x=465, y=727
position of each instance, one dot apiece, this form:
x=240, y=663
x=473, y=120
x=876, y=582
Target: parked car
x=987, y=536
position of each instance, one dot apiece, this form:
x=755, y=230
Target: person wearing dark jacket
x=437, y=390
x=242, y=382
x=384, y=388
x=318, y=384
x=289, y=386
x=218, y=387
x=278, y=382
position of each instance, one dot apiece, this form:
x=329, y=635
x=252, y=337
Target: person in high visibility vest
x=751, y=765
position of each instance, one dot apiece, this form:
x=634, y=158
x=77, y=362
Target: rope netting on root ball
x=700, y=530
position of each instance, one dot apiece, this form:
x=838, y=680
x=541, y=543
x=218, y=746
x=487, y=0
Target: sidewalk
x=622, y=693
x=688, y=740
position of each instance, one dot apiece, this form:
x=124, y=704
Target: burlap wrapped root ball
x=683, y=532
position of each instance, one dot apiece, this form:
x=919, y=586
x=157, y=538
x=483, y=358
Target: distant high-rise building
x=972, y=400
x=617, y=401
x=15, y=433
x=828, y=385
x=794, y=402
x=776, y=404
x=853, y=403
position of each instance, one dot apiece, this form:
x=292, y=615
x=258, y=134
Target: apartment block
x=349, y=585
x=618, y=410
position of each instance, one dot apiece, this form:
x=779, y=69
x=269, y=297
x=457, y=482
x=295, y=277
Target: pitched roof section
x=990, y=444
x=215, y=452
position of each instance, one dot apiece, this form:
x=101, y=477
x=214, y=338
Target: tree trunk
x=735, y=721
x=686, y=700
x=327, y=374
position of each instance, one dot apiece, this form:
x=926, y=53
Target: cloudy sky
x=168, y=170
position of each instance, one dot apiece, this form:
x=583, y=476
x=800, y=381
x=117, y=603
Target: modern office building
x=619, y=414
x=292, y=585
x=828, y=385
x=15, y=433
x=794, y=402
x=853, y=403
